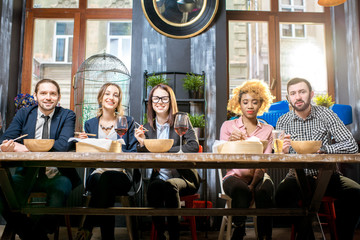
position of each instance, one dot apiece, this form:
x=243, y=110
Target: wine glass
x=181, y=126
x=278, y=140
x=121, y=126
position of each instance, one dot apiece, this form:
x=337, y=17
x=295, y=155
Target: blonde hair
x=119, y=111
x=255, y=88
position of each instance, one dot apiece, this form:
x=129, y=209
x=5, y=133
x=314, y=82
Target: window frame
x=274, y=17
x=80, y=16
x=292, y=8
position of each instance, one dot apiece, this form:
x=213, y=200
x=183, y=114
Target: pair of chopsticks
x=138, y=125
x=89, y=134
x=22, y=136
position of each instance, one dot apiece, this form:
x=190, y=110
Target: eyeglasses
x=164, y=99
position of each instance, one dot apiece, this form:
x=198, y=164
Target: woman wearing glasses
x=167, y=185
x=107, y=183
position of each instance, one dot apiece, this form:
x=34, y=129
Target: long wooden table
x=326, y=164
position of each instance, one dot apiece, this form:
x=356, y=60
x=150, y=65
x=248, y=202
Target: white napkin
x=102, y=143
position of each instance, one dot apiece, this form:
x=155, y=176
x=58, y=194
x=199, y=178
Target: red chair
x=189, y=220
x=328, y=207
x=200, y=148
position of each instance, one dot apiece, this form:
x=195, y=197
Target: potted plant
x=154, y=80
x=198, y=123
x=323, y=100
x=195, y=85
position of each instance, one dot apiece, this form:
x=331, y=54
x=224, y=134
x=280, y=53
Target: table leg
x=312, y=201
x=6, y=187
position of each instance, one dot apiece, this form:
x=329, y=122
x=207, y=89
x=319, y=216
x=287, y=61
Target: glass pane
x=248, y=5
x=248, y=52
x=64, y=28
x=120, y=29
x=304, y=58
x=286, y=30
x=300, y=6
x=109, y=3
x=110, y=37
x=299, y=30
x=52, y=56
x=114, y=45
x=113, y=37
x=55, y=3
x=60, y=49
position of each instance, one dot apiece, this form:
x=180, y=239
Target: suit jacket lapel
x=32, y=121
x=95, y=127
x=152, y=133
x=54, y=123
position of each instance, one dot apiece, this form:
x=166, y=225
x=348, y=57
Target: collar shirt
x=162, y=131
x=40, y=124
x=50, y=172
x=322, y=124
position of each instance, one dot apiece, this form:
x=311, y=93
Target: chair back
x=221, y=180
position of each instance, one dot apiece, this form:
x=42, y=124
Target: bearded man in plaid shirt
x=310, y=122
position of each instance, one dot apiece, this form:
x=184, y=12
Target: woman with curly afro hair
x=245, y=186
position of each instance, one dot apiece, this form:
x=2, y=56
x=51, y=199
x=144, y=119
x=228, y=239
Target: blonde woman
x=244, y=186
x=106, y=183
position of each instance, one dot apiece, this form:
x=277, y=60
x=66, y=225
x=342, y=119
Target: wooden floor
x=121, y=233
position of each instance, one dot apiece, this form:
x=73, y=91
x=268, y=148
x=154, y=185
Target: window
x=119, y=41
x=56, y=44
x=289, y=40
x=292, y=30
x=63, y=41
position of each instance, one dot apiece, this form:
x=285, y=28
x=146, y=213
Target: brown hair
x=173, y=108
x=119, y=111
x=296, y=81
x=45, y=80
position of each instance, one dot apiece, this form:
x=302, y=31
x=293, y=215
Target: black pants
x=347, y=205
x=104, y=188
x=242, y=197
x=166, y=194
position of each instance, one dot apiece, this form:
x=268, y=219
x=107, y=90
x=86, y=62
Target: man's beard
x=303, y=107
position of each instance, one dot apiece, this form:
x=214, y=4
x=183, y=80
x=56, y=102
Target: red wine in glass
x=181, y=130
x=121, y=131
x=121, y=126
x=181, y=125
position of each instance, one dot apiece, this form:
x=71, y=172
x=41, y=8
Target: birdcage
x=91, y=75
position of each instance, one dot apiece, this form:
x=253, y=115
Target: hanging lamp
x=330, y=3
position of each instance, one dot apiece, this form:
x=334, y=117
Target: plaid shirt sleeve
x=343, y=140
